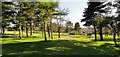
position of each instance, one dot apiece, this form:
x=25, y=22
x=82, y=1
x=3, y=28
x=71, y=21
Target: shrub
x=71, y=33
x=89, y=34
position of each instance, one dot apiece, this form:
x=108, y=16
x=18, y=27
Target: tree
x=60, y=14
x=50, y=13
x=29, y=8
x=118, y=12
x=69, y=25
x=23, y=16
x=54, y=25
x=77, y=27
x=106, y=31
x=46, y=9
x=94, y=9
x=7, y=13
x=113, y=25
x=99, y=21
x=114, y=22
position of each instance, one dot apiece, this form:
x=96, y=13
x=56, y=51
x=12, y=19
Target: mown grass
x=66, y=45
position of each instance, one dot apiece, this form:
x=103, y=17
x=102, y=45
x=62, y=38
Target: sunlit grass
x=58, y=48
x=66, y=45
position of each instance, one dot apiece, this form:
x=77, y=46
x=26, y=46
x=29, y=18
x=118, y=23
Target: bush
x=71, y=33
x=89, y=34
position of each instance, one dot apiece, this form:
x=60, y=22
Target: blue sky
x=76, y=9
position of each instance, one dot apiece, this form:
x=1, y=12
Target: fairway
x=58, y=28
x=66, y=45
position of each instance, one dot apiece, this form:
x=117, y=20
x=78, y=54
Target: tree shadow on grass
x=9, y=36
x=17, y=36
x=5, y=36
x=107, y=39
x=110, y=46
x=110, y=39
x=56, y=47
x=31, y=37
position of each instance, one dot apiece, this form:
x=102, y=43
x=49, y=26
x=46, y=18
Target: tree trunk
x=41, y=27
x=20, y=30
x=59, y=31
x=30, y=27
x=66, y=29
x=45, y=33
x=95, y=32
x=48, y=29
x=42, y=33
x=114, y=38
x=107, y=34
x=101, y=36
x=3, y=30
x=14, y=31
x=26, y=30
x=20, y=36
x=118, y=34
x=51, y=29
x=70, y=29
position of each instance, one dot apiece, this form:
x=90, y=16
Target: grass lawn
x=66, y=45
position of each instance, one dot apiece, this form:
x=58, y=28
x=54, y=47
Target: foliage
x=77, y=26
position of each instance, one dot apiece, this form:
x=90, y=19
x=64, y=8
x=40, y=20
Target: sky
x=76, y=9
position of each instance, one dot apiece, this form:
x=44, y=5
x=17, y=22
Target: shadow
x=110, y=39
x=107, y=39
x=5, y=36
x=57, y=47
x=107, y=45
x=85, y=42
x=9, y=34
x=17, y=36
x=30, y=37
x=110, y=46
x=36, y=32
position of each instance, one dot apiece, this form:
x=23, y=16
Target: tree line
x=29, y=16
x=25, y=15
x=100, y=15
